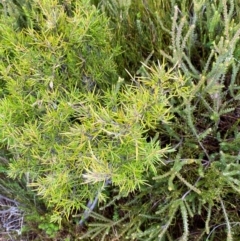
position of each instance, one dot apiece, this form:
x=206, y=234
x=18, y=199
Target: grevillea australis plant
x=68, y=134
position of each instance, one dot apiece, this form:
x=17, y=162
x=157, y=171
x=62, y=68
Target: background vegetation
x=120, y=120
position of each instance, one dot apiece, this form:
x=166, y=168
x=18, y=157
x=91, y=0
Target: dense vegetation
x=119, y=120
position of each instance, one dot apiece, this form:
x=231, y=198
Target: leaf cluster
x=159, y=149
x=68, y=138
x=137, y=29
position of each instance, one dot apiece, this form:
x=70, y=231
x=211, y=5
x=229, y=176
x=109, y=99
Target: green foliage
x=46, y=64
x=158, y=149
x=70, y=171
x=137, y=29
x=198, y=127
x=20, y=9
x=51, y=229
x=205, y=124
x=64, y=50
x=68, y=138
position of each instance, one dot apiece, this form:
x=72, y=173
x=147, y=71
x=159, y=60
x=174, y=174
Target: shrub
x=48, y=62
x=155, y=148
x=202, y=175
x=68, y=134
x=200, y=179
